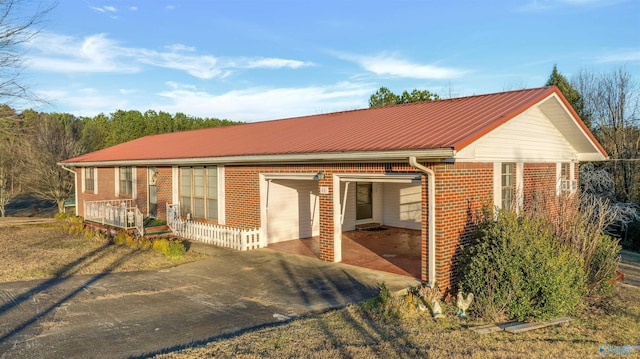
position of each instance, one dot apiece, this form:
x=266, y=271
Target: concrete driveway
x=139, y=314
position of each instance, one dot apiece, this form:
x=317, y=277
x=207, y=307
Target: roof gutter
x=431, y=217
x=75, y=184
x=439, y=154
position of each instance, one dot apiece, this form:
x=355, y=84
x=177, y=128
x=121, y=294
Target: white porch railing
x=239, y=239
x=116, y=213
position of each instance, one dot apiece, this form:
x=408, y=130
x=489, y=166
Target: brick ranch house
x=423, y=166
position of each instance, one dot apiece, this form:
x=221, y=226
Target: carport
x=290, y=207
x=379, y=216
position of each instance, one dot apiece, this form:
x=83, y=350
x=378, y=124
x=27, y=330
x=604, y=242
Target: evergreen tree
x=570, y=93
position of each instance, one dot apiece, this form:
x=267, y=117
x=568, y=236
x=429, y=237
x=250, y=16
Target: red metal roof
x=453, y=123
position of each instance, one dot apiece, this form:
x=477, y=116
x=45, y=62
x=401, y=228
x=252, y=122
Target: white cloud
x=83, y=102
x=543, y=5
x=259, y=104
x=98, y=53
x=275, y=63
x=105, y=9
x=252, y=104
x=180, y=47
x=391, y=65
x=95, y=53
x=620, y=56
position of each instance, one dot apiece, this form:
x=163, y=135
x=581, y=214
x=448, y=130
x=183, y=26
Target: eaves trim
x=439, y=154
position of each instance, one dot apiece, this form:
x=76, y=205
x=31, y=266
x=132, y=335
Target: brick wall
x=106, y=188
x=462, y=189
x=164, y=190
x=539, y=186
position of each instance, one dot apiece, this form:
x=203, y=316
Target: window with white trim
x=126, y=181
x=567, y=181
x=507, y=186
x=89, y=179
x=199, y=192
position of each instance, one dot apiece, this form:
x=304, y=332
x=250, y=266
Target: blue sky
x=260, y=60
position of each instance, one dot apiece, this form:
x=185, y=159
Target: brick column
x=326, y=219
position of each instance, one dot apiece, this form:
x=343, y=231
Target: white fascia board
x=365, y=156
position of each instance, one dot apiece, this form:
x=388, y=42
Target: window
x=566, y=177
x=126, y=180
x=364, y=202
x=199, y=191
x=507, y=186
x=89, y=178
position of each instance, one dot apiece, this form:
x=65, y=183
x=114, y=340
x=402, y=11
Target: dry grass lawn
x=34, y=252
x=354, y=332
x=45, y=251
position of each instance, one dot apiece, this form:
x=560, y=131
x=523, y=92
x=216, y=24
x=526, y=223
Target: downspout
x=75, y=184
x=431, y=217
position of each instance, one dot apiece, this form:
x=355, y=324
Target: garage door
x=293, y=210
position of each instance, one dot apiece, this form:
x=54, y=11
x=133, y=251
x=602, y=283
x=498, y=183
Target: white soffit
x=560, y=116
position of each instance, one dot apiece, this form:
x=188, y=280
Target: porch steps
x=157, y=230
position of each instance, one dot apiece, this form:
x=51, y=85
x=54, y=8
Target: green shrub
x=132, y=241
x=144, y=244
x=385, y=305
x=602, y=266
x=76, y=228
x=89, y=233
x=121, y=238
x=160, y=245
x=61, y=216
x=172, y=249
x=517, y=269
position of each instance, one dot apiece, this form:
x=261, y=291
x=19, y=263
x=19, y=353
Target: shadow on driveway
x=140, y=314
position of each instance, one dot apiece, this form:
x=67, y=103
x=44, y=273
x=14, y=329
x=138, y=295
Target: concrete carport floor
x=389, y=249
x=142, y=313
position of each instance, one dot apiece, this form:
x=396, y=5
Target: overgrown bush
x=579, y=221
x=517, y=269
x=171, y=248
x=121, y=238
x=385, y=305
x=144, y=244
x=603, y=265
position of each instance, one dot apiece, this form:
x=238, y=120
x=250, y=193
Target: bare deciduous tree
x=18, y=25
x=49, y=143
x=10, y=163
x=612, y=101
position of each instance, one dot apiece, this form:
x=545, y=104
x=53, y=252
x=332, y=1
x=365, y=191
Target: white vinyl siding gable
x=529, y=137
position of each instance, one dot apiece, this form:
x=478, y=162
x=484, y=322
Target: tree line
x=32, y=143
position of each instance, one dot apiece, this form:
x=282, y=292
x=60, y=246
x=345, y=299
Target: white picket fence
x=239, y=239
